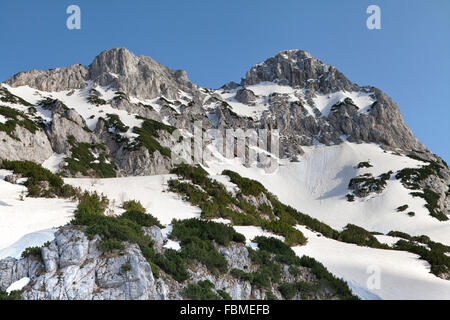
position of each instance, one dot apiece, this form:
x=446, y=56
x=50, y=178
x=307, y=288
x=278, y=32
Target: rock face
x=144, y=78
x=64, y=126
x=246, y=96
x=382, y=124
x=119, y=68
x=295, y=115
x=297, y=68
x=138, y=76
x=73, y=77
x=71, y=267
x=28, y=146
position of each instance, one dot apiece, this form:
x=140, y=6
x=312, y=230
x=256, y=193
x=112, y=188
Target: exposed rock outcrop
x=71, y=267
x=59, y=79
x=26, y=146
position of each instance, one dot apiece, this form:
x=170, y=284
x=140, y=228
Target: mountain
x=348, y=169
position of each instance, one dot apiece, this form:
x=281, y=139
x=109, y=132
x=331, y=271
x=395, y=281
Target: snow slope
x=150, y=191
x=402, y=274
x=26, y=223
x=317, y=185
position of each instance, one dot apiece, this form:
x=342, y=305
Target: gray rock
x=28, y=146
x=59, y=79
x=63, y=126
x=246, y=96
x=12, y=178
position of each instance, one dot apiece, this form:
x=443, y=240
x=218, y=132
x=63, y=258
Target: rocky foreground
x=72, y=267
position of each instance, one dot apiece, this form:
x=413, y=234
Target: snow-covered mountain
x=379, y=198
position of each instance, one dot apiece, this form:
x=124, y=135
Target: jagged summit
x=118, y=68
x=298, y=68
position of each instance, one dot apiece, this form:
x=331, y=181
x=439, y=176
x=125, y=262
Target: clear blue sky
x=218, y=41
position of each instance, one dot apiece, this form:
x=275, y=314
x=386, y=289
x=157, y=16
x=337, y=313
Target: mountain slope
x=346, y=156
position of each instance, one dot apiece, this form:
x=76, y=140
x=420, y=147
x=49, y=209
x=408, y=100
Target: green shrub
x=93, y=99
x=224, y=295
x=399, y=234
x=195, y=237
x=172, y=263
x=360, y=236
x=32, y=252
x=90, y=204
x=13, y=295
x=402, y=208
x=365, y=164
x=126, y=267
x=82, y=160
x=109, y=245
x=432, y=199
x=16, y=118
x=241, y=275
x=338, y=285
x=147, y=135
x=222, y=234
x=38, y=178
x=270, y=295
x=292, y=236
x=201, y=290
x=141, y=218
x=287, y=290
x=133, y=205
x=246, y=186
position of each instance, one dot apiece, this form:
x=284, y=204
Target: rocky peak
x=298, y=68
x=141, y=76
x=119, y=61
x=59, y=79
x=118, y=68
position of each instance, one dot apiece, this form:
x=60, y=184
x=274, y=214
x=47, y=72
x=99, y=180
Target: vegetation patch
x=116, y=127
x=148, y=134
x=365, y=184
x=41, y=182
x=360, y=236
x=49, y=103
x=119, y=95
x=95, y=100
x=16, y=118
x=215, y=202
x=435, y=256
x=271, y=255
x=364, y=164
x=204, y=290
x=196, y=238
x=8, y=97
x=340, y=286
x=89, y=158
x=402, y=208
x=432, y=199
x=350, y=197
x=13, y=295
